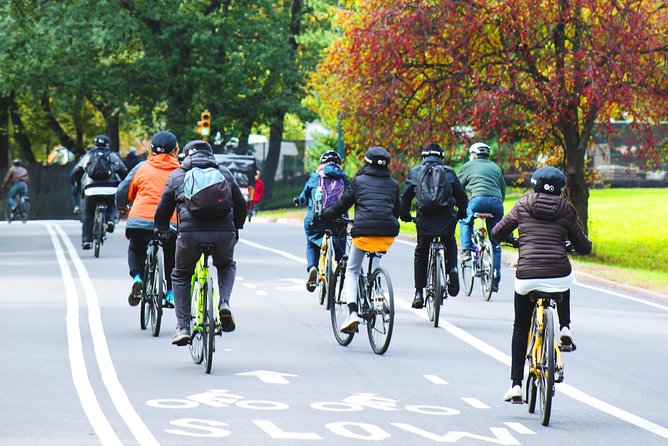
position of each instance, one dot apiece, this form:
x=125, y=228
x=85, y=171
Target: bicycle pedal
x=518, y=400
x=564, y=348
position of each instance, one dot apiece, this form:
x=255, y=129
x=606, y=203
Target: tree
x=406, y=72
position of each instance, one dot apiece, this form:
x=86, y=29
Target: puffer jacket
x=376, y=198
x=142, y=189
x=78, y=174
x=173, y=198
x=544, y=223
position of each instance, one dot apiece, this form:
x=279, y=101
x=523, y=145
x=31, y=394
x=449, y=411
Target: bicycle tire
x=439, y=286
x=196, y=342
x=24, y=209
x=338, y=309
x=429, y=289
x=466, y=272
x=532, y=385
x=329, y=263
x=209, y=329
x=381, y=323
x=98, y=230
x=546, y=380
x=159, y=295
x=144, y=309
x=486, y=269
x=531, y=391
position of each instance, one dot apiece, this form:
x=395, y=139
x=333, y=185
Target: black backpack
x=100, y=166
x=433, y=191
x=208, y=195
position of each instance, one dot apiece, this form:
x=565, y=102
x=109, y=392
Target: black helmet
x=377, y=156
x=17, y=162
x=102, y=141
x=163, y=142
x=549, y=180
x=480, y=149
x=330, y=157
x=432, y=149
x=198, y=145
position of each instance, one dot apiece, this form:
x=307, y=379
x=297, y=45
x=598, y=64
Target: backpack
x=208, y=194
x=433, y=191
x=328, y=191
x=100, y=166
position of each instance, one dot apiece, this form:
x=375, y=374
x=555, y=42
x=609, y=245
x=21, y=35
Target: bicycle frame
x=202, y=277
x=536, y=338
x=432, y=301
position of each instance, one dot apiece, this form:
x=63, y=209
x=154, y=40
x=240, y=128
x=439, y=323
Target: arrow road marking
x=269, y=377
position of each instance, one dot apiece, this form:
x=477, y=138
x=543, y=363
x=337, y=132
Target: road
x=77, y=369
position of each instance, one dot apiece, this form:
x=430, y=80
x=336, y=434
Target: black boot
x=418, y=301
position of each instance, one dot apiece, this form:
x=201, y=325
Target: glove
x=328, y=215
x=298, y=201
x=406, y=217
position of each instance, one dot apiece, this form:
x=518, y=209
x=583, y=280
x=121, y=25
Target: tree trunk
x=271, y=163
x=577, y=189
x=4, y=131
x=113, y=124
x=21, y=138
x=53, y=123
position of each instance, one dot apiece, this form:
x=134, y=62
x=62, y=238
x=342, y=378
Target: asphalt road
x=77, y=370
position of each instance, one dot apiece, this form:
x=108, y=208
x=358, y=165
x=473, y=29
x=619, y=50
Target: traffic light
x=204, y=126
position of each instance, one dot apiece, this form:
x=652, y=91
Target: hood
x=374, y=171
x=332, y=171
x=163, y=161
x=546, y=206
x=432, y=159
x=199, y=159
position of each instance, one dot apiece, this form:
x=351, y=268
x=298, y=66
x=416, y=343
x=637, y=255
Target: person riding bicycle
x=376, y=198
x=434, y=219
x=141, y=191
x=193, y=231
x=484, y=180
x=545, y=222
x=314, y=226
x=17, y=179
x=101, y=189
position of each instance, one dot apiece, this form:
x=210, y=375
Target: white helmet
x=480, y=149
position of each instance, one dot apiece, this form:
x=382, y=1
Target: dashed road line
x=436, y=380
x=519, y=428
x=475, y=403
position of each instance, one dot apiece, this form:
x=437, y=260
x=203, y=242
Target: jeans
x=17, y=189
x=490, y=205
x=313, y=251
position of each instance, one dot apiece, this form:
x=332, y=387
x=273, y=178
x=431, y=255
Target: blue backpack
x=207, y=193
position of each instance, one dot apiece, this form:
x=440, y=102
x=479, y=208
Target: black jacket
x=445, y=221
x=376, y=198
x=172, y=197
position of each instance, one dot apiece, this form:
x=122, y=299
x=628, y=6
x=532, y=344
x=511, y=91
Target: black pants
x=139, y=239
x=422, y=257
x=89, y=203
x=523, y=310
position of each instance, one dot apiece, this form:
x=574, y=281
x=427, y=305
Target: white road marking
x=436, y=379
x=261, y=293
x=519, y=428
x=89, y=402
x=109, y=377
x=275, y=251
x=623, y=296
x=269, y=377
x=249, y=285
x=475, y=403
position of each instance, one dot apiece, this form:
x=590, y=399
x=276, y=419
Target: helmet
x=330, y=157
x=377, y=156
x=432, y=149
x=17, y=162
x=480, y=149
x=549, y=180
x=102, y=141
x=198, y=145
x=163, y=142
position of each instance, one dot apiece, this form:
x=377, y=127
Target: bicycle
x=481, y=263
x=327, y=265
x=99, y=227
x=543, y=355
x=154, y=286
x=21, y=211
x=204, y=319
x=375, y=304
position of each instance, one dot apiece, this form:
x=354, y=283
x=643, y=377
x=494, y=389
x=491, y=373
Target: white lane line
x=261, y=293
x=436, y=380
x=519, y=428
x=623, y=296
x=563, y=388
x=89, y=402
x=275, y=251
x=475, y=403
x=109, y=377
x=249, y=285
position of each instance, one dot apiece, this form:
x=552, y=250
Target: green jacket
x=482, y=177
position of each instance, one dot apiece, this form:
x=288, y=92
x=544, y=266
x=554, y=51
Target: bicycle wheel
x=145, y=309
x=338, y=309
x=546, y=379
x=531, y=391
x=381, y=323
x=25, y=209
x=430, y=288
x=159, y=293
x=486, y=269
x=466, y=271
x=197, y=341
x=98, y=230
x=209, y=329
x=439, y=286
x=329, y=261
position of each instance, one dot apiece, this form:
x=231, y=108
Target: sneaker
x=513, y=395
x=86, y=246
x=110, y=226
x=495, y=285
x=182, y=337
x=76, y=210
x=312, y=279
x=466, y=255
x=226, y=318
x=169, y=299
x=453, y=282
x=350, y=325
x=135, y=296
x=567, y=344
x=418, y=300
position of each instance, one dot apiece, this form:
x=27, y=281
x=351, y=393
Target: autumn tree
x=542, y=72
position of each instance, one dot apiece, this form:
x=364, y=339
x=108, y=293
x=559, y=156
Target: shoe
x=418, y=300
x=495, y=285
x=350, y=325
x=110, y=226
x=312, y=279
x=169, y=300
x=182, y=337
x=466, y=255
x=86, y=246
x=567, y=344
x=453, y=282
x=135, y=296
x=226, y=318
x=76, y=210
x=513, y=395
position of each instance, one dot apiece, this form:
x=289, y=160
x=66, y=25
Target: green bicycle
x=204, y=319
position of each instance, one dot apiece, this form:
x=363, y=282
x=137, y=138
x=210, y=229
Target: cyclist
x=97, y=191
x=17, y=180
x=483, y=178
x=545, y=222
x=223, y=232
x=440, y=219
x=141, y=190
x=314, y=225
x=376, y=198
